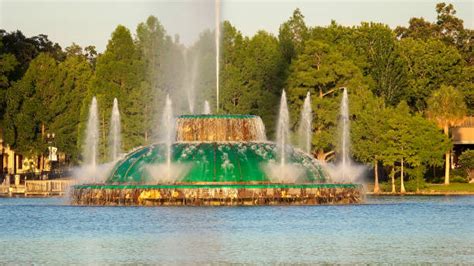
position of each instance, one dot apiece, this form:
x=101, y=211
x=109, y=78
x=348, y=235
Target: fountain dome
x=215, y=148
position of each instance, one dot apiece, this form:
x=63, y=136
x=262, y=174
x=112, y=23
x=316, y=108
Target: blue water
x=385, y=229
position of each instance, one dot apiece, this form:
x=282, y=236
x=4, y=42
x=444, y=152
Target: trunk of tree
x=447, y=157
x=402, y=185
x=376, y=183
x=392, y=175
x=104, y=139
x=447, y=166
x=3, y=153
x=323, y=156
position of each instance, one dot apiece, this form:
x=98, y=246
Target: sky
x=88, y=22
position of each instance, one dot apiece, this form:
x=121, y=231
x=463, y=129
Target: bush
x=458, y=175
x=458, y=179
x=466, y=163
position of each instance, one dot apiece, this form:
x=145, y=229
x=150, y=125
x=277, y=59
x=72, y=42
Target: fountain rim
x=210, y=116
x=214, y=185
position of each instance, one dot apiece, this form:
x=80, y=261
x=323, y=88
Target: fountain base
x=213, y=194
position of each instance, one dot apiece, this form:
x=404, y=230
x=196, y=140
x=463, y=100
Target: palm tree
x=446, y=107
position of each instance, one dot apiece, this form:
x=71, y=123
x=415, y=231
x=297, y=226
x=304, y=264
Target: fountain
x=167, y=125
x=344, y=124
x=217, y=43
x=217, y=160
x=305, y=130
x=91, y=145
x=114, y=133
x=283, y=134
x=190, y=81
x=207, y=108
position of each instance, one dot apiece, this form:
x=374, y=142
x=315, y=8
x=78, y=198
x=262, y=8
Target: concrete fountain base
x=212, y=194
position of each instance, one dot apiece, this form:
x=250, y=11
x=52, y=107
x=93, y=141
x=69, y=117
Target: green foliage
x=446, y=107
x=466, y=163
x=119, y=74
x=392, y=77
x=378, y=44
x=323, y=71
x=47, y=100
x=431, y=64
x=8, y=63
x=411, y=185
x=292, y=36
x=252, y=75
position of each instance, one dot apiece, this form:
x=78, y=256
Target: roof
x=467, y=122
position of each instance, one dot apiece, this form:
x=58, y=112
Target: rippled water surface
x=385, y=229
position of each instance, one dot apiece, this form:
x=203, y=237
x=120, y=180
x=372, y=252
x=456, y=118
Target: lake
x=384, y=229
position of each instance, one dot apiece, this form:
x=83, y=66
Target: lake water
x=385, y=229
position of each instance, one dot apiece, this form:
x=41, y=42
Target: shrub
x=466, y=163
x=458, y=179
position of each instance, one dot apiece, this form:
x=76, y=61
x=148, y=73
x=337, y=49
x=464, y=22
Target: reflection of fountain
x=344, y=124
x=305, y=129
x=283, y=132
x=114, y=134
x=207, y=108
x=167, y=124
x=91, y=144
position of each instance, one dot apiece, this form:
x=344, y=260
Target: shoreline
x=433, y=193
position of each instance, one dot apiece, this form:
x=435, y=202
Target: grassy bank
x=453, y=188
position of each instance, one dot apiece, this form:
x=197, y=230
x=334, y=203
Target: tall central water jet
x=283, y=132
x=345, y=125
x=91, y=146
x=217, y=40
x=305, y=129
x=190, y=80
x=114, y=133
x=167, y=124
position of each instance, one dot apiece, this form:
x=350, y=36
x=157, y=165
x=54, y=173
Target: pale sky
x=88, y=22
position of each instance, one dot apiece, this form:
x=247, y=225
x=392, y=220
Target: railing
x=47, y=187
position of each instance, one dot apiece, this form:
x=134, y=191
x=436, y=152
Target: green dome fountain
x=216, y=160
x=211, y=162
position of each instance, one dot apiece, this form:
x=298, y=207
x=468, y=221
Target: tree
x=292, y=36
x=377, y=43
x=8, y=63
x=367, y=135
x=72, y=84
x=119, y=74
x=29, y=104
x=322, y=71
x=430, y=64
x=446, y=107
x=447, y=28
x=252, y=75
x=26, y=49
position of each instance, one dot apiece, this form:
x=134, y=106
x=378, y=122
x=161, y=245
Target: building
x=463, y=138
x=13, y=163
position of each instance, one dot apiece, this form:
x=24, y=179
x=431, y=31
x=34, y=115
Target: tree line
x=406, y=85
